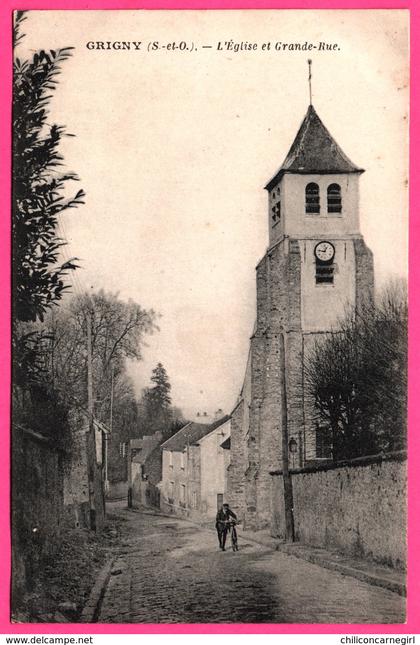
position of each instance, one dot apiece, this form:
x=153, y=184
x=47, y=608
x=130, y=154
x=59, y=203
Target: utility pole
x=129, y=476
x=287, y=480
x=106, y=438
x=90, y=436
x=187, y=487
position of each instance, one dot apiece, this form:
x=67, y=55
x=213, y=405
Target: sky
x=173, y=149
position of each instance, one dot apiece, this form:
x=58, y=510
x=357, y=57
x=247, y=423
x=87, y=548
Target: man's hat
x=226, y=504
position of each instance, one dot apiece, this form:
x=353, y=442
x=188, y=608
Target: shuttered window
x=276, y=212
x=334, y=198
x=324, y=273
x=312, y=198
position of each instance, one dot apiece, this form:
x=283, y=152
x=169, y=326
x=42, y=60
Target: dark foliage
x=159, y=394
x=38, y=185
x=357, y=376
x=156, y=414
x=39, y=197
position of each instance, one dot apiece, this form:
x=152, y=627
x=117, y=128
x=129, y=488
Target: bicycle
x=231, y=527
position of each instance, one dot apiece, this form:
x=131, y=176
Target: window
x=276, y=212
x=324, y=272
x=182, y=493
x=194, y=499
x=171, y=459
x=334, y=198
x=123, y=450
x=171, y=490
x=323, y=447
x=312, y=198
x=183, y=460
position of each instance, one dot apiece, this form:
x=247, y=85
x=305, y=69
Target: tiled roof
x=190, y=434
x=314, y=151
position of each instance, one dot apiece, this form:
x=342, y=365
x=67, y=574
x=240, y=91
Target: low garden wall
x=357, y=507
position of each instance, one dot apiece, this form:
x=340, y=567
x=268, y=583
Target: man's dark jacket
x=222, y=516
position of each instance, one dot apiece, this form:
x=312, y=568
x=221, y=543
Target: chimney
x=218, y=414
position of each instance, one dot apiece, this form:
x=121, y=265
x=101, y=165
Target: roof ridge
x=217, y=427
x=175, y=433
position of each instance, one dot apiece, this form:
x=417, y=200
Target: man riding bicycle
x=222, y=524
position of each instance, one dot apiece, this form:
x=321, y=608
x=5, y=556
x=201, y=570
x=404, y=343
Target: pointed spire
x=314, y=151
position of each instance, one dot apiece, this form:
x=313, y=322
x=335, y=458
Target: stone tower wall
x=364, y=274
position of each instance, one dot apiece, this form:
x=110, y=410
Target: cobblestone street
x=171, y=571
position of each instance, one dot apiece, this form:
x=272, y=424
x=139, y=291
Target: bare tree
x=118, y=333
x=357, y=377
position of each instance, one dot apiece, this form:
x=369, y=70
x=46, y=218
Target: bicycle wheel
x=234, y=538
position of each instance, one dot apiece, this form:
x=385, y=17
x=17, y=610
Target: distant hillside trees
x=357, y=377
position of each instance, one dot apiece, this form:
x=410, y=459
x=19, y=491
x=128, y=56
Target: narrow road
x=171, y=571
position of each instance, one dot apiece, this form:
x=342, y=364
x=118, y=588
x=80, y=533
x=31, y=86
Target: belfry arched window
x=334, y=198
x=312, y=198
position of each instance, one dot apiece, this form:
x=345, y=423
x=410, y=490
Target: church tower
x=315, y=268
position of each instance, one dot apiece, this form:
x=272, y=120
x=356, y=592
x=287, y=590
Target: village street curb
x=91, y=609
x=320, y=560
x=363, y=576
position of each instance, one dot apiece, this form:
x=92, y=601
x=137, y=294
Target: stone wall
x=236, y=469
x=153, y=466
x=256, y=420
x=143, y=492
x=356, y=507
x=37, y=504
x=364, y=274
x=278, y=313
x=117, y=463
x=76, y=485
x=117, y=490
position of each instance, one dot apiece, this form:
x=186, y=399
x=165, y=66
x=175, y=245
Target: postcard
x=209, y=317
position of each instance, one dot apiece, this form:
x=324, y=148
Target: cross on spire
x=309, y=81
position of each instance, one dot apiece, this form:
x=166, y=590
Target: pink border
x=413, y=605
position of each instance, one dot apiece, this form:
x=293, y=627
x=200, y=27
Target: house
x=193, y=470
x=213, y=453
x=145, y=470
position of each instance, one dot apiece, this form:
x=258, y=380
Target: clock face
x=324, y=251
